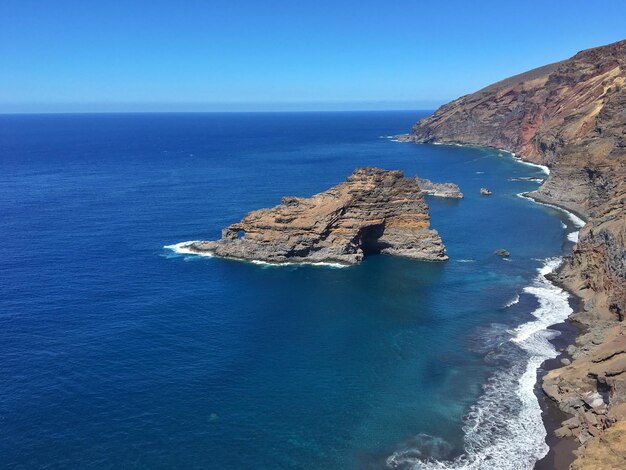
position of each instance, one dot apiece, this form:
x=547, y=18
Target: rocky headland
x=373, y=211
x=571, y=117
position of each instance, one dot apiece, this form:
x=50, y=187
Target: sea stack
x=373, y=211
x=446, y=190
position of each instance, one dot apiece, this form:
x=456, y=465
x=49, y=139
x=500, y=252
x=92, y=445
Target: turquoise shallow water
x=116, y=352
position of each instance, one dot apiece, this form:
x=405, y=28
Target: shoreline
x=560, y=453
x=562, y=450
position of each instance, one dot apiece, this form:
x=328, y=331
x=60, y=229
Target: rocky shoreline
x=569, y=117
x=373, y=211
x=561, y=453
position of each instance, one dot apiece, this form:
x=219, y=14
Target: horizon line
x=285, y=111
x=233, y=107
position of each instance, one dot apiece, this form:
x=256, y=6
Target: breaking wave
x=302, y=263
x=576, y=221
x=512, y=302
x=182, y=249
x=504, y=428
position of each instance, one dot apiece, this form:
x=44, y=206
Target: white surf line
x=182, y=248
x=324, y=264
x=577, y=221
x=513, y=301
x=499, y=433
x=519, y=437
x=543, y=168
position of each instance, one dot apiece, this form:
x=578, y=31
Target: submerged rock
x=373, y=211
x=485, y=192
x=448, y=190
x=502, y=252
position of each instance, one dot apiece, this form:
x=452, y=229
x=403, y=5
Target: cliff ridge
x=571, y=117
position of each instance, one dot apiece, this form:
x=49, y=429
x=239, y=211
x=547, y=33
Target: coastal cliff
x=571, y=117
x=373, y=211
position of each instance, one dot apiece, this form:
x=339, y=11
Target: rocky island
x=571, y=117
x=447, y=190
x=373, y=211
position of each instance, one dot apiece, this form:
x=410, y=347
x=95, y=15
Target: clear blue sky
x=143, y=55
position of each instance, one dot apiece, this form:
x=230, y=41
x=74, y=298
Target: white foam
x=543, y=168
x=512, y=302
x=465, y=260
x=504, y=428
x=182, y=248
x=573, y=236
x=301, y=263
x=534, y=180
x=577, y=221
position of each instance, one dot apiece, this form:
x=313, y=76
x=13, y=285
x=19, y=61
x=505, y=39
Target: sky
x=244, y=55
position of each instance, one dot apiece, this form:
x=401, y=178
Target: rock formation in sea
x=447, y=190
x=502, y=252
x=373, y=211
x=571, y=117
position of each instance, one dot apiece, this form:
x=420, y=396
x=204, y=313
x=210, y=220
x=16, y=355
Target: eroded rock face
x=373, y=211
x=570, y=116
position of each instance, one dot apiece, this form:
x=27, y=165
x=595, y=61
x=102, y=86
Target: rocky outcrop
x=593, y=386
x=373, y=211
x=447, y=190
x=569, y=116
x=606, y=452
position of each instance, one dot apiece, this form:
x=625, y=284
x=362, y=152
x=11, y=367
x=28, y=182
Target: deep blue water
x=118, y=353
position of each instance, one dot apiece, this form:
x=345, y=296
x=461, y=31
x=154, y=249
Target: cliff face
x=373, y=211
x=570, y=116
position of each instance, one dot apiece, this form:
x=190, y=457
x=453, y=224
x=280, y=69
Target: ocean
x=117, y=352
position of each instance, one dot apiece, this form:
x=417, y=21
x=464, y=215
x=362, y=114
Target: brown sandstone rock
x=606, y=452
x=373, y=211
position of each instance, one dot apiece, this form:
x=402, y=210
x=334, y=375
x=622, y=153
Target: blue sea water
x=118, y=353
